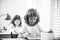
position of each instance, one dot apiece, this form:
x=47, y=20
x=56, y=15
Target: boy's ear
x=25, y=18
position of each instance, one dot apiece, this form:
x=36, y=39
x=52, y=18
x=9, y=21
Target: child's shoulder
x=11, y=26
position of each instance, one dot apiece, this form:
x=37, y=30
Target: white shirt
x=34, y=30
x=14, y=30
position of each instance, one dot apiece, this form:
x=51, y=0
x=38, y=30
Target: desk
x=19, y=39
x=47, y=36
x=8, y=36
x=44, y=36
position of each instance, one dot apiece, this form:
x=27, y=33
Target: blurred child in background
x=15, y=26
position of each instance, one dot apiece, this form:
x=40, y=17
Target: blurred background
x=55, y=18
x=20, y=7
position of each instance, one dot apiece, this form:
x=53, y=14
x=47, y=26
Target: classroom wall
x=20, y=7
x=55, y=17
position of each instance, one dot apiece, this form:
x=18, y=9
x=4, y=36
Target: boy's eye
x=32, y=18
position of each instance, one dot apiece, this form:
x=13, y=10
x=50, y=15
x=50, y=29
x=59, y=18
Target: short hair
x=31, y=13
x=17, y=17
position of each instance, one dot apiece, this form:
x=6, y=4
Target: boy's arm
x=40, y=30
x=25, y=33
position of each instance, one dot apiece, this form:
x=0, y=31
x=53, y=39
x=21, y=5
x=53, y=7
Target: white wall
x=21, y=6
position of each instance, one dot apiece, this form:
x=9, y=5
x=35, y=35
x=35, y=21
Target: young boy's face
x=32, y=20
x=17, y=22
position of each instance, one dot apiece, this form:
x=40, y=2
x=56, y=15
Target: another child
x=32, y=29
x=15, y=26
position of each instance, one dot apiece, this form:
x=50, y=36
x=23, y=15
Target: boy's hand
x=31, y=35
x=20, y=36
x=38, y=35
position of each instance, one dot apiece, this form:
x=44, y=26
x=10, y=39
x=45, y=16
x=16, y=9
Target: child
x=32, y=29
x=15, y=26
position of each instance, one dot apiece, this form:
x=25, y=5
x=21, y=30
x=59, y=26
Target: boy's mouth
x=31, y=22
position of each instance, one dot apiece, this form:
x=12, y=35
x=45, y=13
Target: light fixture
x=8, y=17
